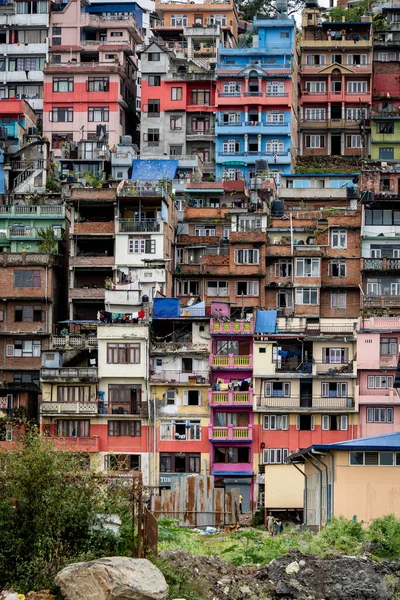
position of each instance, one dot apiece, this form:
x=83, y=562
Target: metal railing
x=333, y=368
x=59, y=408
x=232, y=361
x=300, y=403
x=175, y=376
x=292, y=365
x=230, y=433
x=80, y=373
x=144, y=226
x=230, y=398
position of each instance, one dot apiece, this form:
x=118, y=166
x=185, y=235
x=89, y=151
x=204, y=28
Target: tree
x=266, y=8
x=356, y=11
x=49, y=507
x=49, y=240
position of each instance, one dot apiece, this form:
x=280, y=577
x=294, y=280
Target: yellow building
x=356, y=478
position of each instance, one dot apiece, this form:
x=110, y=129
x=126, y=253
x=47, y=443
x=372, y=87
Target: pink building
x=377, y=357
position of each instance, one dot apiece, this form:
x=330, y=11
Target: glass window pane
x=357, y=458
x=386, y=458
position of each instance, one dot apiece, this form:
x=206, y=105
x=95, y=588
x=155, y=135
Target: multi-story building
x=385, y=115
x=256, y=102
x=179, y=381
x=380, y=241
x=336, y=86
x=24, y=49
x=230, y=397
x=377, y=358
x=90, y=76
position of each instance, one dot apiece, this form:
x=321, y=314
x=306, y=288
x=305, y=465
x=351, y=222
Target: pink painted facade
x=377, y=357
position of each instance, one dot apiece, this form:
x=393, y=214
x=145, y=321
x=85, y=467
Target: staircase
x=24, y=182
x=200, y=61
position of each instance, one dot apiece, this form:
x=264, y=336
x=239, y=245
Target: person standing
x=241, y=504
x=270, y=523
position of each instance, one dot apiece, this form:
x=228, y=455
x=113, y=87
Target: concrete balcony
x=86, y=293
x=231, y=327
x=91, y=261
x=22, y=49
x=123, y=297
x=179, y=348
x=230, y=398
x=334, y=369
x=297, y=404
x=69, y=374
x=331, y=44
x=177, y=377
x=309, y=193
x=381, y=301
x=114, y=21
x=253, y=127
x=78, y=444
x=256, y=98
x=27, y=212
x=230, y=434
x=142, y=226
x=68, y=408
x=232, y=468
x=231, y=361
x=307, y=124
x=27, y=232
x=73, y=342
x=389, y=361
x=380, y=264
x=250, y=157
x=380, y=323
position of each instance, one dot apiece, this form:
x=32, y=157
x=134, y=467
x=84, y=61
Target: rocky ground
x=295, y=575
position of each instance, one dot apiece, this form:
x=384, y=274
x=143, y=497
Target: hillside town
x=200, y=246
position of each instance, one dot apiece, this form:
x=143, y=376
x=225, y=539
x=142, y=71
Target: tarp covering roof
x=266, y=321
x=166, y=308
x=153, y=170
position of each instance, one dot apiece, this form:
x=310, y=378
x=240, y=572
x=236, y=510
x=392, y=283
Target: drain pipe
x=305, y=493
x=308, y=459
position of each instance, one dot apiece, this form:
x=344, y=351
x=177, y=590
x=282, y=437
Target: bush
x=384, y=534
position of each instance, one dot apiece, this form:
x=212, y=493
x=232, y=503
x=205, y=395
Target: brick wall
x=352, y=304
x=94, y=227
x=7, y=283
x=9, y=323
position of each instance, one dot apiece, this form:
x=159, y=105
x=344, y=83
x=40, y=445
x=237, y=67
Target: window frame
x=123, y=353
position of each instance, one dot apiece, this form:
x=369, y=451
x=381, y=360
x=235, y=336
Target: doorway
x=336, y=144
x=244, y=486
x=305, y=393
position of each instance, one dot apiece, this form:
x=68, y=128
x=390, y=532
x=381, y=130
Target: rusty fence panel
x=150, y=530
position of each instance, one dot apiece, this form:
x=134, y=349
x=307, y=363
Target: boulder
x=292, y=568
x=114, y=578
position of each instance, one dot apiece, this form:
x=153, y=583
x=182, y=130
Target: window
x=28, y=314
x=180, y=430
x=316, y=87
x=234, y=88
x=377, y=253
x=356, y=59
x=386, y=153
x=170, y=396
x=372, y=459
x=201, y=97
x=27, y=377
x=231, y=147
x=25, y=64
x=315, y=114
x=283, y=268
x=139, y=246
x=188, y=462
x=204, y=230
x=284, y=299
x=354, y=141
x=124, y=428
x=388, y=346
x=247, y=257
x=247, y=288
x=275, y=422
x=275, y=117
x=27, y=278
x=380, y=382
x=306, y=296
x=274, y=146
x=152, y=137
x=23, y=349
x=98, y=114
x=277, y=389
x=338, y=299
x=335, y=355
x=56, y=30
x=307, y=267
x=356, y=114
x=334, y=423
x=315, y=59
x=63, y=84
x=357, y=87
x=123, y=354
x=179, y=20
x=337, y=268
x=187, y=365
x=125, y=399
x=217, y=288
x=275, y=456
x=73, y=393
x=154, y=57
x=379, y=415
x=284, y=34
x=315, y=141
x=111, y=57
x=122, y=462
x=73, y=428
x=386, y=56
x=191, y=397
x=32, y=8
x=62, y=115
x=175, y=123
x=176, y=93
x=154, y=80
x=188, y=288
x=153, y=108
x=98, y=84
x=385, y=127
x=231, y=455
x=334, y=390
x=275, y=88
x=339, y=238
x=305, y=422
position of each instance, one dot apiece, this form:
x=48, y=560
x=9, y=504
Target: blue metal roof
x=153, y=170
x=390, y=441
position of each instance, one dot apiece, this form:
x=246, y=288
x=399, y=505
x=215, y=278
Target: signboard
x=167, y=479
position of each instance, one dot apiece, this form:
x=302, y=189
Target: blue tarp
x=153, y=170
x=266, y=321
x=166, y=308
x=196, y=310
x=117, y=7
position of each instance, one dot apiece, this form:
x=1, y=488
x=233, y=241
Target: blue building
x=256, y=102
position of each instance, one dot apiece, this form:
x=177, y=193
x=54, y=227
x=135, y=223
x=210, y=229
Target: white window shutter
x=185, y=397
x=325, y=422
x=268, y=389
x=265, y=456
x=298, y=422
x=285, y=422
x=9, y=350
x=312, y=422
x=325, y=389
x=343, y=423
x=266, y=422
x=285, y=453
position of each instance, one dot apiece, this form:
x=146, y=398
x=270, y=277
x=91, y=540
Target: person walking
x=241, y=504
x=270, y=523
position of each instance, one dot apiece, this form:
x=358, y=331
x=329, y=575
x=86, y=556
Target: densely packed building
x=218, y=286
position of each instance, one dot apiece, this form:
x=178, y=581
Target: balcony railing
x=73, y=342
x=334, y=368
x=310, y=404
x=69, y=373
x=143, y=226
x=230, y=433
x=381, y=264
x=67, y=408
x=231, y=327
x=292, y=365
x=78, y=444
x=232, y=361
x=230, y=398
x=381, y=301
x=43, y=210
x=175, y=376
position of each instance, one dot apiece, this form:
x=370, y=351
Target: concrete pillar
x=246, y=113
x=189, y=47
x=246, y=143
x=259, y=142
x=246, y=85
x=260, y=113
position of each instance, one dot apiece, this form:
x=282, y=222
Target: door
x=386, y=153
x=305, y=393
x=243, y=419
x=244, y=489
x=336, y=145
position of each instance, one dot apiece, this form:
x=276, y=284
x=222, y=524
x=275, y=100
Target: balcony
x=231, y=327
x=73, y=342
x=179, y=348
x=69, y=374
x=26, y=232
x=380, y=264
x=332, y=44
x=329, y=124
x=389, y=361
x=293, y=365
x=253, y=127
x=78, y=444
x=68, y=408
x=142, y=226
x=100, y=228
x=333, y=369
x=177, y=377
x=123, y=297
x=381, y=301
x=261, y=99
x=231, y=361
x=89, y=260
x=230, y=398
x=253, y=155
x=71, y=68
x=114, y=21
x=86, y=293
x=297, y=404
x=45, y=211
x=230, y=434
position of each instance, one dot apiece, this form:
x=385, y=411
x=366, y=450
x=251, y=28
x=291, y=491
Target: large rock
x=115, y=578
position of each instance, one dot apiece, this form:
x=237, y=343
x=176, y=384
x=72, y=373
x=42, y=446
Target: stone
x=42, y=595
x=292, y=568
x=302, y=563
x=246, y=591
x=113, y=578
